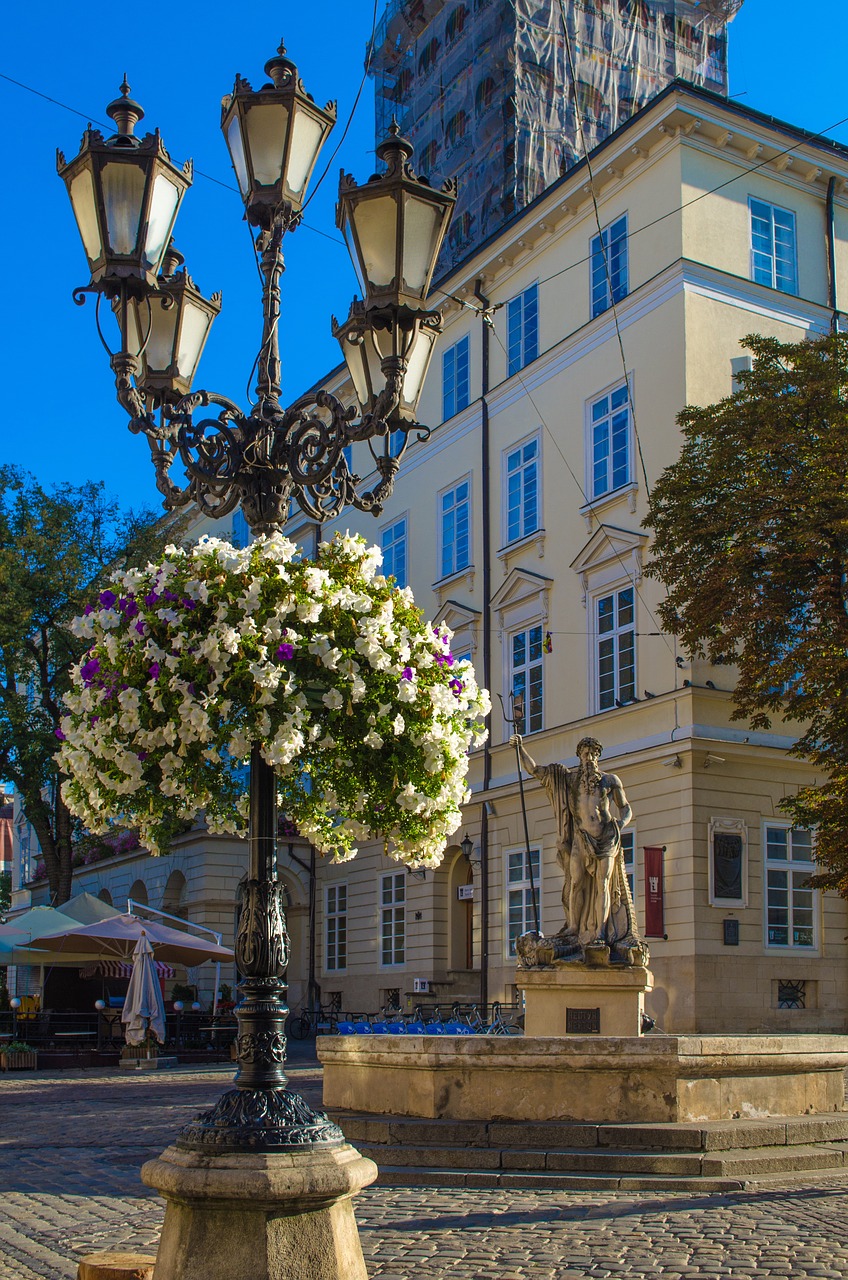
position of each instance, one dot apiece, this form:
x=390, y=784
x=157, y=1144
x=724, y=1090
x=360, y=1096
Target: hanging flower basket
x=355, y=701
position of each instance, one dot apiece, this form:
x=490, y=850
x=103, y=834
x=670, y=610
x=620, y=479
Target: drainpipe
x=831, y=254
x=487, y=647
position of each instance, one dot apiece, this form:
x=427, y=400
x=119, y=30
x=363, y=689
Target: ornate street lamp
x=125, y=193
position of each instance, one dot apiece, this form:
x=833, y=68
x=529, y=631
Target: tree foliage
x=751, y=541
x=54, y=547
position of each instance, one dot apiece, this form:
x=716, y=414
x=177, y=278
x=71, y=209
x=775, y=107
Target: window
x=522, y=329
x=393, y=918
x=615, y=616
x=628, y=850
x=393, y=541
x=454, y=528
x=522, y=490
x=609, y=427
x=789, y=905
x=522, y=880
x=773, y=252
x=336, y=927
x=609, y=266
x=526, y=653
x=455, y=379
x=397, y=439
x=241, y=530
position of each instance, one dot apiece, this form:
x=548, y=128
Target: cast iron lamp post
x=126, y=192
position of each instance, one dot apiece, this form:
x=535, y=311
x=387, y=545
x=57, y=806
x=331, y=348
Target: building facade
x=573, y=336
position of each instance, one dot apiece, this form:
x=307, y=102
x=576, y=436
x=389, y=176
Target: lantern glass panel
x=418, y=363
x=376, y=230
x=85, y=212
x=421, y=225
x=160, y=221
x=374, y=355
x=354, y=356
x=267, y=125
x=236, y=149
x=307, y=136
x=136, y=326
x=160, y=348
x=123, y=195
x=193, y=333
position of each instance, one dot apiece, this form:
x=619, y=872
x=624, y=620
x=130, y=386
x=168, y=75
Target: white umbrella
x=144, y=1008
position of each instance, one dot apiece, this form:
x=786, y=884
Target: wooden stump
x=116, y=1266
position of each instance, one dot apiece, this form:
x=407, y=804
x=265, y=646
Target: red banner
x=654, y=927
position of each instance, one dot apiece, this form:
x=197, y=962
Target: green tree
x=55, y=546
x=751, y=541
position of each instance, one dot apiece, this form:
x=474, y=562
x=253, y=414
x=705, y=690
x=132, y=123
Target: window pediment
x=522, y=591
x=610, y=555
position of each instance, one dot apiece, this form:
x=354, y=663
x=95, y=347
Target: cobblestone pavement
x=71, y=1145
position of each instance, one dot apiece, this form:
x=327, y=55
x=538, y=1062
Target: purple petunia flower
x=89, y=608
x=188, y=603
x=169, y=595
x=139, y=626
x=285, y=652
x=154, y=670
x=456, y=685
x=89, y=669
x=107, y=599
x=141, y=755
x=151, y=599
x=407, y=673
x=128, y=608
x=60, y=735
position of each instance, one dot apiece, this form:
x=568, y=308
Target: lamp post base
x=277, y=1216
x=244, y=1121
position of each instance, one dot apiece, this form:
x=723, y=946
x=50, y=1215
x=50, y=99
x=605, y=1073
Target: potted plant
x=18, y=1056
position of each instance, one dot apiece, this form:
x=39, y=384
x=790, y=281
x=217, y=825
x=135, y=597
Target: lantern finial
x=125, y=112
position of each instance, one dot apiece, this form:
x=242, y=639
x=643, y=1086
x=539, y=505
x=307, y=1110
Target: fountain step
x=528, y=1180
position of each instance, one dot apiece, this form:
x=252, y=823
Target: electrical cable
x=352, y=110
x=604, y=247
x=582, y=491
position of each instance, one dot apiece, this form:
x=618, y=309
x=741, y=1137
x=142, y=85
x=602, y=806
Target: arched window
x=456, y=23
x=456, y=128
x=174, y=897
x=138, y=893
x=429, y=156
x=428, y=55
x=484, y=95
x=105, y=896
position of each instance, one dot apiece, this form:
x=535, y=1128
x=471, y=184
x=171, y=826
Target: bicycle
x=306, y=1023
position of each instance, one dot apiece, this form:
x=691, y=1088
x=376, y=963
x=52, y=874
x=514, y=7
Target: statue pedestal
x=579, y=999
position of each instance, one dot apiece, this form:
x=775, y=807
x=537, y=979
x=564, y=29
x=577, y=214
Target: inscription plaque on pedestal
x=583, y=1022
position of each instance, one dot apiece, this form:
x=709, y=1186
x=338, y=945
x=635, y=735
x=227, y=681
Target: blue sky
x=61, y=419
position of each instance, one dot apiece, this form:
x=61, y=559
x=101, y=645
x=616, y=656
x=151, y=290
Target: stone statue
x=600, y=923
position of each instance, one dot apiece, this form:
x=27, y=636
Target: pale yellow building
x=552, y=399
x=519, y=523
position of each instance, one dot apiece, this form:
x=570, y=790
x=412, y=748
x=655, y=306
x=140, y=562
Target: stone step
x=719, y=1135
x=612, y=1163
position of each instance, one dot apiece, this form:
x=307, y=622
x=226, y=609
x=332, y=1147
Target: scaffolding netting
x=484, y=90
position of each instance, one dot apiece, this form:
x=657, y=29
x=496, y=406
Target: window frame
x=335, y=914
x=397, y=910
x=522, y=886
x=527, y=340
x=597, y=243
x=591, y=426
x=402, y=518
x=773, y=283
x=787, y=865
x=596, y=637
x=440, y=528
x=526, y=629
x=459, y=396
x=519, y=446
x=628, y=837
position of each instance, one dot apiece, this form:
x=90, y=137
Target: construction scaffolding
x=484, y=90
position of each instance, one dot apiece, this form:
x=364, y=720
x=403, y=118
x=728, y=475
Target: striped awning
x=122, y=969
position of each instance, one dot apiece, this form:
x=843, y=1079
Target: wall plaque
x=582, y=1022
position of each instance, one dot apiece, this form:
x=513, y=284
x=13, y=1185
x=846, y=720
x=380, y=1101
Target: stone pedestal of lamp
x=283, y=1216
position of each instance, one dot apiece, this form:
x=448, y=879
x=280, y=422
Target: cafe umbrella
x=143, y=1013
x=117, y=937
